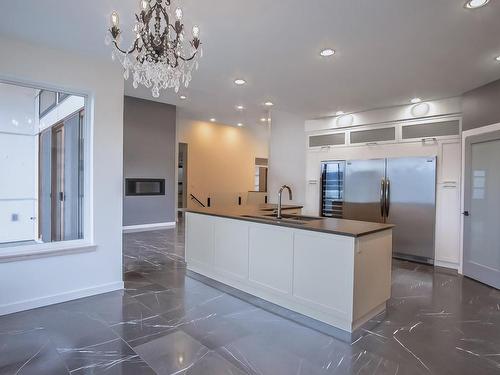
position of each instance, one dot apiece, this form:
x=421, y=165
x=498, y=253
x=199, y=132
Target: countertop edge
x=290, y=225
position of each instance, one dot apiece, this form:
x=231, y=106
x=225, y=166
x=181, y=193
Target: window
x=47, y=101
x=42, y=166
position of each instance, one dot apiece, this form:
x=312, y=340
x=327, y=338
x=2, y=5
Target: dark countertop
x=272, y=207
x=350, y=228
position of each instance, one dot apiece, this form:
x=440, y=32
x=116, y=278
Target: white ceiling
x=388, y=51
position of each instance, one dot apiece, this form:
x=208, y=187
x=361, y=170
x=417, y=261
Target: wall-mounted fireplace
x=144, y=186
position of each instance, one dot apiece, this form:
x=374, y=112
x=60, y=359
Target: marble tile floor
x=166, y=323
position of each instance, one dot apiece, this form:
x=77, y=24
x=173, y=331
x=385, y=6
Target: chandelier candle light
x=159, y=57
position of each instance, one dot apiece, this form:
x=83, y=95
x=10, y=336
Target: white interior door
x=482, y=209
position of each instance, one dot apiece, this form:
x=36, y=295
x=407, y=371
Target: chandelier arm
x=125, y=52
x=172, y=26
x=188, y=58
x=165, y=14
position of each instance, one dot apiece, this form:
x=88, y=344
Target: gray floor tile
x=173, y=353
x=214, y=364
x=110, y=357
x=146, y=329
x=29, y=352
x=258, y=356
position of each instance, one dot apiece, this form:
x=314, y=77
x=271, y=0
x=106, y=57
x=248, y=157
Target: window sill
x=28, y=252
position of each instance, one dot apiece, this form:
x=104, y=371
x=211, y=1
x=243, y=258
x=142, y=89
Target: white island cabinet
x=342, y=280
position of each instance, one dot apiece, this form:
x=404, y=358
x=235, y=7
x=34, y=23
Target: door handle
x=466, y=213
x=382, y=197
x=387, y=197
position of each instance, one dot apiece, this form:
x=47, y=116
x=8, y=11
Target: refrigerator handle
x=387, y=197
x=382, y=197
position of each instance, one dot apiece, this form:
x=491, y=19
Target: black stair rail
x=197, y=200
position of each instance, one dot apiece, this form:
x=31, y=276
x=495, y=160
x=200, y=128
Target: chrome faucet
x=278, y=215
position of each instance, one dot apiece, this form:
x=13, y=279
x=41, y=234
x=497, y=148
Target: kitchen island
x=335, y=271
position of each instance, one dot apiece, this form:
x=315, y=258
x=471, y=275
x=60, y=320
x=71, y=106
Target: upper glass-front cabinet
x=389, y=133
x=431, y=131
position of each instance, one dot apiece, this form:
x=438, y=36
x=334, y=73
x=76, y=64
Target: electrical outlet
x=15, y=217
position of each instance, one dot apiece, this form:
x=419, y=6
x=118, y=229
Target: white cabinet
x=449, y=163
x=448, y=226
x=328, y=258
x=271, y=257
x=199, y=240
x=231, y=248
x=313, y=183
x=448, y=231
x=372, y=272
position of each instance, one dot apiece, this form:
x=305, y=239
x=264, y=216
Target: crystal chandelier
x=159, y=57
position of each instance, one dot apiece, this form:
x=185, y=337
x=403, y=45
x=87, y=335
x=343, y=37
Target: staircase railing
x=196, y=200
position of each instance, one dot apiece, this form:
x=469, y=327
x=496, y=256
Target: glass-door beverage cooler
x=332, y=188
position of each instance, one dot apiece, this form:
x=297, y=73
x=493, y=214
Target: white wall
x=287, y=156
x=433, y=108
x=36, y=282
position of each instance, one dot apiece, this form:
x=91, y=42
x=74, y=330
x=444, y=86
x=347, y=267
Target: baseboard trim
x=59, y=298
x=148, y=227
x=445, y=264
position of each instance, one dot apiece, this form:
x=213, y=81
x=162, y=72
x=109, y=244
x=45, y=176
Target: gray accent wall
x=481, y=106
x=149, y=152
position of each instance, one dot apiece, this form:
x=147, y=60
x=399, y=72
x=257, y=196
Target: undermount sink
x=296, y=219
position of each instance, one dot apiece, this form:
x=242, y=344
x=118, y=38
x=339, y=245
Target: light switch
x=15, y=217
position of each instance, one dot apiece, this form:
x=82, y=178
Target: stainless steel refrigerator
x=399, y=191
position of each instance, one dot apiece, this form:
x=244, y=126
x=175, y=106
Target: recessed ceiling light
x=240, y=107
x=339, y=113
x=474, y=4
x=183, y=97
x=497, y=58
x=263, y=119
x=268, y=104
x=327, y=52
x=415, y=100
x=239, y=124
x=240, y=81
x=212, y=120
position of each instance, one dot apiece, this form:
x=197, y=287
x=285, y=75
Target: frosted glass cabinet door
x=482, y=205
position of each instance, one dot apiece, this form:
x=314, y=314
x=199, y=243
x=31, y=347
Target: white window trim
x=61, y=248
x=27, y=252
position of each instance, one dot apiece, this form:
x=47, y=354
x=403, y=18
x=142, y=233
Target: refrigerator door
x=411, y=206
x=364, y=190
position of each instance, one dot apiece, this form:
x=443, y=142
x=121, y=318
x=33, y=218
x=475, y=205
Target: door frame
x=57, y=181
x=465, y=136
